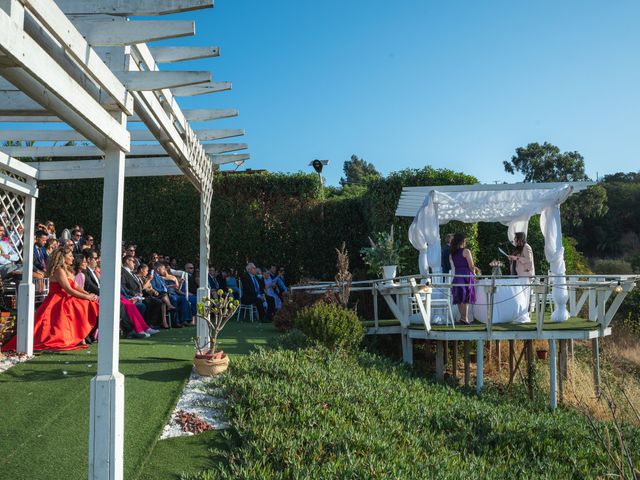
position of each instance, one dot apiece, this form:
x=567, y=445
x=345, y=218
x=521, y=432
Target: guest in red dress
x=67, y=315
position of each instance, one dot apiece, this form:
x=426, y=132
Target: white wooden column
x=26, y=289
x=106, y=428
x=202, y=329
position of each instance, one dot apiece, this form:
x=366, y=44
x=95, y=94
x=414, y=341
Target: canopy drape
x=513, y=208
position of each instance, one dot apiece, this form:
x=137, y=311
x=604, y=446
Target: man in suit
x=446, y=262
x=130, y=287
x=251, y=294
x=39, y=261
x=92, y=285
x=76, y=238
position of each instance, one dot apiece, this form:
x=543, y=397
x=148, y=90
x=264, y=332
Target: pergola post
x=26, y=289
x=106, y=427
x=202, y=329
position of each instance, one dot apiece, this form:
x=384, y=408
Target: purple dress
x=463, y=288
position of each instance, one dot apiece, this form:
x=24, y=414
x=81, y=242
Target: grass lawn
x=45, y=414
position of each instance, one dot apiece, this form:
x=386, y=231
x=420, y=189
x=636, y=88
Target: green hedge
x=284, y=219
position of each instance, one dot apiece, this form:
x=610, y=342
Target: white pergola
x=510, y=204
x=86, y=65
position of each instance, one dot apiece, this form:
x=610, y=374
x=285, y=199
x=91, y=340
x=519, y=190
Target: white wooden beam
x=16, y=186
x=83, y=169
x=191, y=115
x=201, y=89
x=216, y=134
x=131, y=8
x=205, y=115
x=120, y=33
x=216, y=148
x=66, y=34
x=229, y=158
x=144, y=81
x=52, y=87
x=181, y=54
x=13, y=165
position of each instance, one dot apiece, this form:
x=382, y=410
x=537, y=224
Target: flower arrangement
x=7, y=322
x=216, y=312
x=382, y=252
x=496, y=267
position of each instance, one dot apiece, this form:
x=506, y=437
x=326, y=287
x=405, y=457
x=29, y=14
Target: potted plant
x=216, y=312
x=541, y=353
x=383, y=256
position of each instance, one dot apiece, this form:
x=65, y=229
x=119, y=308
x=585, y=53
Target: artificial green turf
x=45, y=414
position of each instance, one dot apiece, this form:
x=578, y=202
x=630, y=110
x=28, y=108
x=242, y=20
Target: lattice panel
x=12, y=214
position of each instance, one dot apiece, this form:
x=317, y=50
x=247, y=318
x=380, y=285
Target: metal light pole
x=317, y=166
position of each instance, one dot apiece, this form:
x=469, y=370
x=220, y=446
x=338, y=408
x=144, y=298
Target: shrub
x=605, y=266
x=292, y=340
x=331, y=324
x=291, y=305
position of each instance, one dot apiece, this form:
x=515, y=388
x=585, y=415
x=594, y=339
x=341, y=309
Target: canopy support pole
x=26, y=289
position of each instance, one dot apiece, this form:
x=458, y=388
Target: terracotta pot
x=208, y=367
x=542, y=354
x=209, y=355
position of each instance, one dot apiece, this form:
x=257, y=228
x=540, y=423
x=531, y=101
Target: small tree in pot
x=383, y=256
x=216, y=312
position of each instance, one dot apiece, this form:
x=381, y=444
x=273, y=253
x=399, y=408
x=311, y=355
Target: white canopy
x=511, y=205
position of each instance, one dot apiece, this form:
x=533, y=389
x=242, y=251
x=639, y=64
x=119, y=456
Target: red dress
x=62, y=321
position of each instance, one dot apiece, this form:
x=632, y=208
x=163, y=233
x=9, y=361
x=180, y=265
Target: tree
x=358, y=171
x=545, y=163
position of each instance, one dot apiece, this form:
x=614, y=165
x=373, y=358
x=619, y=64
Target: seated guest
x=144, y=277
x=190, y=289
x=150, y=308
x=50, y=228
x=251, y=292
x=163, y=282
x=231, y=281
x=88, y=243
x=9, y=258
x=273, y=300
x=76, y=238
x=67, y=315
x=212, y=277
x=39, y=251
x=131, y=251
x=15, y=236
x=79, y=266
x=50, y=246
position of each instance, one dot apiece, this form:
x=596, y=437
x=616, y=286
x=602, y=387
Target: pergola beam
x=181, y=54
x=145, y=81
x=52, y=87
x=191, y=115
x=230, y=158
x=84, y=169
x=122, y=33
x=131, y=8
x=66, y=135
x=201, y=89
x=89, y=151
x=61, y=28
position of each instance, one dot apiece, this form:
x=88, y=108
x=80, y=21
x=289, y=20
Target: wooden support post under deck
x=529, y=353
x=553, y=375
x=595, y=354
x=454, y=359
x=498, y=352
x=480, y=365
x=562, y=368
x=467, y=368
x=445, y=354
x=439, y=360
x=512, y=354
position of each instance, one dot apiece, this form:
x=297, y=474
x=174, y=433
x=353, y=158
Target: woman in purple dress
x=463, y=290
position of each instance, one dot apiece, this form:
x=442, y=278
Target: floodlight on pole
x=238, y=164
x=317, y=166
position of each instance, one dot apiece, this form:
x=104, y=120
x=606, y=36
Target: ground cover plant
x=313, y=413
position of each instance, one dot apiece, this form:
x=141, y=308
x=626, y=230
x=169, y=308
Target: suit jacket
x=129, y=285
x=90, y=283
x=39, y=262
x=249, y=293
x=524, y=262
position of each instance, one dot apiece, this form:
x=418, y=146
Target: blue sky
x=409, y=83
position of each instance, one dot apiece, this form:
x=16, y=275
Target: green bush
x=605, y=266
x=331, y=324
x=316, y=414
